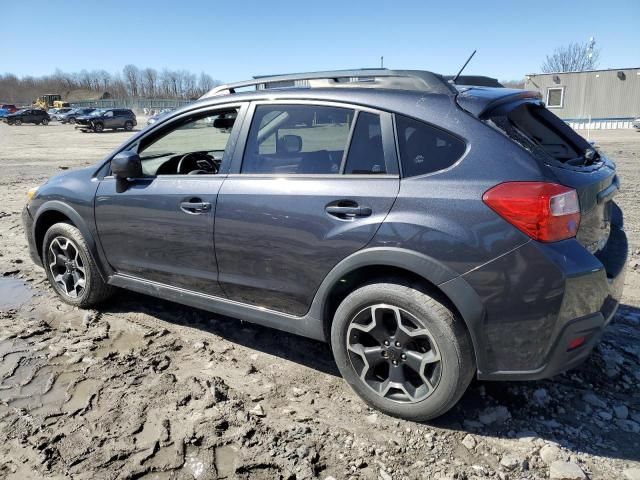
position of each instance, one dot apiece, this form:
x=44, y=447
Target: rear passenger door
x=309, y=185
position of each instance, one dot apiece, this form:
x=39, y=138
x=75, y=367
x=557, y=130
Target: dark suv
x=430, y=232
x=109, y=119
x=28, y=115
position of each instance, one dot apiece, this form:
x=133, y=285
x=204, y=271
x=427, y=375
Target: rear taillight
x=547, y=212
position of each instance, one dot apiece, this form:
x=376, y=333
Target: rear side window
x=425, y=149
x=297, y=139
x=366, y=155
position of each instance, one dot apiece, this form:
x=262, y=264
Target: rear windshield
x=544, y=134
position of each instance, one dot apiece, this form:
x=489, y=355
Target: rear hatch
x=567, y=156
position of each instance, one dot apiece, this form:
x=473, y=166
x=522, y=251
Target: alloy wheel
x=67, y=267
x=393, y=353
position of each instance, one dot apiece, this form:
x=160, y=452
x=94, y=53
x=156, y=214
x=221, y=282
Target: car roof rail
x=418, y=80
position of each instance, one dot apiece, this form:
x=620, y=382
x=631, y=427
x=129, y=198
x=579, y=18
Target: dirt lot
x=144, y=388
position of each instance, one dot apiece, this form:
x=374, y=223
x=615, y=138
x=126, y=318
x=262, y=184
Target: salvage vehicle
x=59, y=112
x=430, y=232
x=72, y=115
x=107, y=119
x=9, y=107
x=28, y=115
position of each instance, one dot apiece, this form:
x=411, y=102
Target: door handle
x=195, y=207
x=348, y=212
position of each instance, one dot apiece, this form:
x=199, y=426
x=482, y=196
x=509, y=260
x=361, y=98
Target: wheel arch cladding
x=53, y=212
x=425, y=273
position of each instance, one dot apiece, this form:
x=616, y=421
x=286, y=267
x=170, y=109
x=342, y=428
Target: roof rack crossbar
x=407, y=79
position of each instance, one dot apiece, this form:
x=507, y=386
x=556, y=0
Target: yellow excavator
x=50, y=100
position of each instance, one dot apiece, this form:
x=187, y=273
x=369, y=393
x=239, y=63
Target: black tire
x=45, y=122
x=17, y=121
x=72, y=121
x=9, y=122
x=64, y=238
x=447, y=337
x=128, y=126
x=98, y=127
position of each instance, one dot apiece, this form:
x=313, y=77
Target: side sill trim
x=305, y=326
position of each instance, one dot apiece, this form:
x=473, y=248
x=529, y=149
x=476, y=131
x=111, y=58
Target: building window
x=555, y=97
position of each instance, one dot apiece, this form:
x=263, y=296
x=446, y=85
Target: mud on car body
x=430, y=232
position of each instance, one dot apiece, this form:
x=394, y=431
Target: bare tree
x=513, y=84
x=575, y=57
x=131, y=75
x=206, y=83
x=150, y=81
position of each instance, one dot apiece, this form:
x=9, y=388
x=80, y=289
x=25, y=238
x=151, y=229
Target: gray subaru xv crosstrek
x=431, y=232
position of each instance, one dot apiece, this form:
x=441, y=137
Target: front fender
x=40, y=220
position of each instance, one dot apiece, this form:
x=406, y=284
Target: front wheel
x=98, y=127
x=70, y=268
x=45, y=122
x=128, y=126
x=401, y=350
x=72, y=121
x=18, y=121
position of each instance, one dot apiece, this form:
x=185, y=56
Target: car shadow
x=552, y=410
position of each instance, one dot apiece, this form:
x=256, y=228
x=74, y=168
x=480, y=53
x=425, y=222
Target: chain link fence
x=136, y=104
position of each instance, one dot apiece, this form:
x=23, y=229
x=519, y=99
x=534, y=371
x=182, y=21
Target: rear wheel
x=45, y=122
x=9, y=122
x=70, y=268
x=98, y=127
x=128, y=126
x=17, y=121
x=401, y=350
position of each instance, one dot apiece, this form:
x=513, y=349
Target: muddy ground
x=144, y=388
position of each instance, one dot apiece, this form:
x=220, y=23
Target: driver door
x=160, y=228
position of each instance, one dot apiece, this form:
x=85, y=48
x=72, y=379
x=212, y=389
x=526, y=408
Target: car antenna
x=463, y=66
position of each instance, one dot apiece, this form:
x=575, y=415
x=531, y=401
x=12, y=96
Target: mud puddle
x=13, y=293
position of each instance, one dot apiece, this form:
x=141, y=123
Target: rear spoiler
x=478, y=100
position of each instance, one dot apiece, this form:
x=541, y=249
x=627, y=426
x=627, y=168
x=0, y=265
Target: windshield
x=22, y=110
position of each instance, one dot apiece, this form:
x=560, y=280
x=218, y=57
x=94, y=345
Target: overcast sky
x=234, y=40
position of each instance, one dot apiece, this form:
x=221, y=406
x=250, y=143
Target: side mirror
x=125, y=165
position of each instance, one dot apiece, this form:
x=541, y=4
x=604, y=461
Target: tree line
x=132, y=82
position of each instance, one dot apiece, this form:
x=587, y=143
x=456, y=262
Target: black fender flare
x=451, y=284
x=78, y=222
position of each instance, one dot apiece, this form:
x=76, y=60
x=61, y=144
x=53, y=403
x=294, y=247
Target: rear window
x=425, y=149
x=544, y=134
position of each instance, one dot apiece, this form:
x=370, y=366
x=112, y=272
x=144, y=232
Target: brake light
x=547, y=212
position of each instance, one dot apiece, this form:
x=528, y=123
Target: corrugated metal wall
x=600, y=94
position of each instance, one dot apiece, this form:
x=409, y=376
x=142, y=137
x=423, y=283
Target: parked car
x=431, y=233
x=72, y=115
x=4, y=112
x=636, y=124
x=154, y=118
x=107, y=119
x=10, y=107
x=59, y=112
x=28, y=115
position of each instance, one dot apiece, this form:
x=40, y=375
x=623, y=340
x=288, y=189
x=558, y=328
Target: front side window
x=555, y=97
x=425, y=149
x=297, y=139
x=193, y=147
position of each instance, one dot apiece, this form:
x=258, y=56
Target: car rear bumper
x=27, y=223
x=540, y=298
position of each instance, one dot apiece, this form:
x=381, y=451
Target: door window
x=297, y=139
x=366, y=155
x=191, y=147
x=108, y=114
